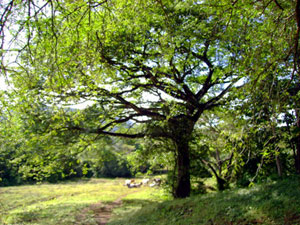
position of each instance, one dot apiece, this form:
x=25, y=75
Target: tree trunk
x=183, y=184
x=297, y=156
x=278, y=162
x=293, y=145
x=278, y=165
x=181, y=131
x=221, y=183
x=297, y=140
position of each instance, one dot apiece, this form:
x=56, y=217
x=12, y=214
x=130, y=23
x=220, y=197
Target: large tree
x=156, y=63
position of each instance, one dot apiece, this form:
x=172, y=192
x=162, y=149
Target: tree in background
x=29, y=156
x=221, y=142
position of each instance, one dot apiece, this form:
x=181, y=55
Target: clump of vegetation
x=275, y=202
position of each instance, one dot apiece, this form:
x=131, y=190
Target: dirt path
x=101, y=213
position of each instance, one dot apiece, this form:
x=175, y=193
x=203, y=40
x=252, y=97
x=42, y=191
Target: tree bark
x=183, y=184
x=222, y=184
x=279, y=166
x=278, y=162
x=181, y=131
x=297, y=156
x=297, y=140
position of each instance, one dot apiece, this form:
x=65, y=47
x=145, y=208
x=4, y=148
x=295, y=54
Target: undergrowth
x=275, y=202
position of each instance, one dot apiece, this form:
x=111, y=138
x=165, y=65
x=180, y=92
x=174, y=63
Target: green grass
x=270, y=203
x=136, y=201
x=276, y=202
x=59, y=203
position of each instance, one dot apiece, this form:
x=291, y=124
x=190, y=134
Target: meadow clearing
x=79, y=202
x=108, y=201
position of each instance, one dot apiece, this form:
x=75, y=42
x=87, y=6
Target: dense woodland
x=117, y=88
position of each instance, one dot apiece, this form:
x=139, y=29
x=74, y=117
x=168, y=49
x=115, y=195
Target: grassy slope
x=270, y=203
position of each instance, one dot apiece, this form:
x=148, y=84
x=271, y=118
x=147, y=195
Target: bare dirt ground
x=101, y=211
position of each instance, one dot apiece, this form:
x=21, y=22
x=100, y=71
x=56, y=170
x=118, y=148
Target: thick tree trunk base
x=222, y=184
x=297, y=156
x=181, y=133
x=183, y=188
x=297, y=139
x=183, y=184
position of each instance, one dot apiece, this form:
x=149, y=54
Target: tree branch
x=100, y=131
x=278, y=5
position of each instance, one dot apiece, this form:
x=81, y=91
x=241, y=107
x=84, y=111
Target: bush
x=115, y=166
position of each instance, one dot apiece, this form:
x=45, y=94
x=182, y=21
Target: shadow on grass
x=128, y=209
x=272, y=203
x=134, y=202
x=48, y=214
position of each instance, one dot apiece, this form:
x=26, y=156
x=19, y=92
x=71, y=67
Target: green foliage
x=32, y=155
x=112, y=166
x=152, y=155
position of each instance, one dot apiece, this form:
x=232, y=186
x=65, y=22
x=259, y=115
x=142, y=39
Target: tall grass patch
x=275, y=202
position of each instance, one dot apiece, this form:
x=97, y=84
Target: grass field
x=81, y=202
x=66, y=203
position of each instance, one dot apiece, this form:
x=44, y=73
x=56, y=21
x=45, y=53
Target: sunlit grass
x=58, y=203
x=137, y=200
